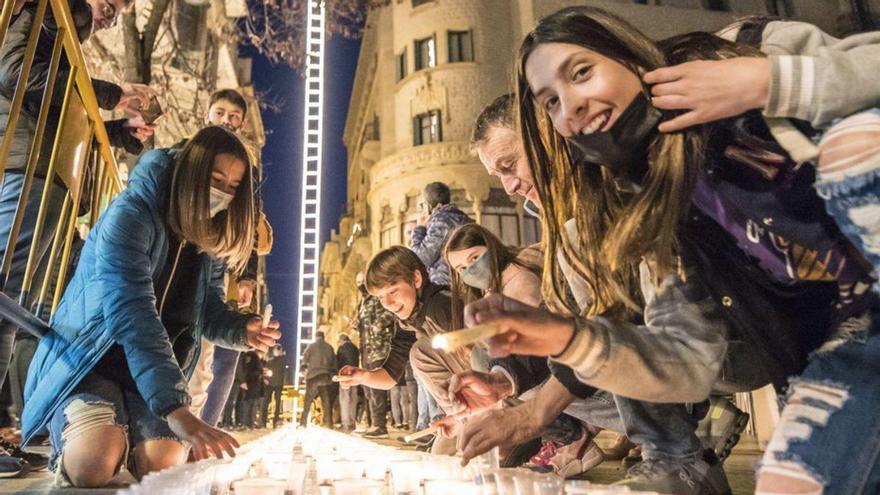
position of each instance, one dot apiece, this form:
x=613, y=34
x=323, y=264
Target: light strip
x=311, y=183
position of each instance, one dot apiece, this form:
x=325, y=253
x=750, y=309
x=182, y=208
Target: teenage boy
x=212, y=382
x=376, y=328
x=399, y=280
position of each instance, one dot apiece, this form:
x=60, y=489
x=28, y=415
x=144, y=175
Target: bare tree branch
x=276, y=28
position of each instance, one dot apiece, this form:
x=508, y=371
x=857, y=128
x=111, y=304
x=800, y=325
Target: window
x=401, y=66
x=426, y=53
x=461, y=46
x=426, y=128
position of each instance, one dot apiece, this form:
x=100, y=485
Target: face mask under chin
x=623, y=149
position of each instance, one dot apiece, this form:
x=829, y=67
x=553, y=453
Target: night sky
x=282, y=157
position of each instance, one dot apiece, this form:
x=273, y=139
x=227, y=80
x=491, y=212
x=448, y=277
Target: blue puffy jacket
x=112, y=298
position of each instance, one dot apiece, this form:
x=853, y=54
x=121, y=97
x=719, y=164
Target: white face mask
x=219, y=201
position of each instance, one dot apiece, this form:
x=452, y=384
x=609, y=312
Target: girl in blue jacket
x=110, y=379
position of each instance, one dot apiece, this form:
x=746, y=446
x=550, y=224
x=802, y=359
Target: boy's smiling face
x=399, y=297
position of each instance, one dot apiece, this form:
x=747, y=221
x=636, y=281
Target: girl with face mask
x=480, y=264
x=109, y=383
x=712, y=235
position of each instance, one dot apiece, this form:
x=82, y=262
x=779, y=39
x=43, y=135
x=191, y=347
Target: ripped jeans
x=98, y=401
x=848, y=179
x=828, y=435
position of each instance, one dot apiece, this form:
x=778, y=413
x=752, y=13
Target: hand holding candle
x=261, y=332
x=421, y=433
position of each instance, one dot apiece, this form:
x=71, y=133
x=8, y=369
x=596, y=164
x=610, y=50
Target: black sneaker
x=697, y=477
x=36, y=462
x=10, y=467
x=720, y=430
x=376, y=433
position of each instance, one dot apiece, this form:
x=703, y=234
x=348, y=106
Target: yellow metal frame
x=98, y=155
x=100, y=159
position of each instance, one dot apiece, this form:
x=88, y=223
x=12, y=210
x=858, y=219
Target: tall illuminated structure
x=310, y=216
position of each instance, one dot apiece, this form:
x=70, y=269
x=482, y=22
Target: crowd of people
x=709, y=226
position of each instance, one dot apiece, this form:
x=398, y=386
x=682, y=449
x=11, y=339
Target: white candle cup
x=488, y=485
x=450, y=487
x=358, y=486
x=259, y=486
x=524, y=480
x=406, y=476
x=549, y=484
x=297, y=478
x=504, y=481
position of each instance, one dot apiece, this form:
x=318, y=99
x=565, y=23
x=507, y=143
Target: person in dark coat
x=252, y=390
x=277, y=367
x=319, y=364
x=347, y=355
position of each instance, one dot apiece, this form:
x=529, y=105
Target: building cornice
x=414, y=159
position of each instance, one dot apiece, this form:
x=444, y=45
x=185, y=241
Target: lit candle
x=451, y=341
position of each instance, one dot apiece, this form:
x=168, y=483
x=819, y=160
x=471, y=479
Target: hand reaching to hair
x=525, y=330
x=709, y=90
x=262, y=338
x=205, y=440
x=475, y=392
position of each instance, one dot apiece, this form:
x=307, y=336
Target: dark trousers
x=248, y=408
x=273, y=392
x=325, y=392
x=229, y=418
x=378, y=408
x=10, y=190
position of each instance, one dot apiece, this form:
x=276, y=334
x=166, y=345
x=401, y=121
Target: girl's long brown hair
x=500, y=257
x=230, y=234
x=615, y=230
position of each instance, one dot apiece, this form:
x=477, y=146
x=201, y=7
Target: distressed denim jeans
x=98, y=401
x=848, y=179
x=828, y=434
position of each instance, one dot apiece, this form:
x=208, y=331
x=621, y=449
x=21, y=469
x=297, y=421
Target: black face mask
x=363, y=290
x=623, y=149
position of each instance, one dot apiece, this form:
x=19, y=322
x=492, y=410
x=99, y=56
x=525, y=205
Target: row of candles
x=317, y=461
